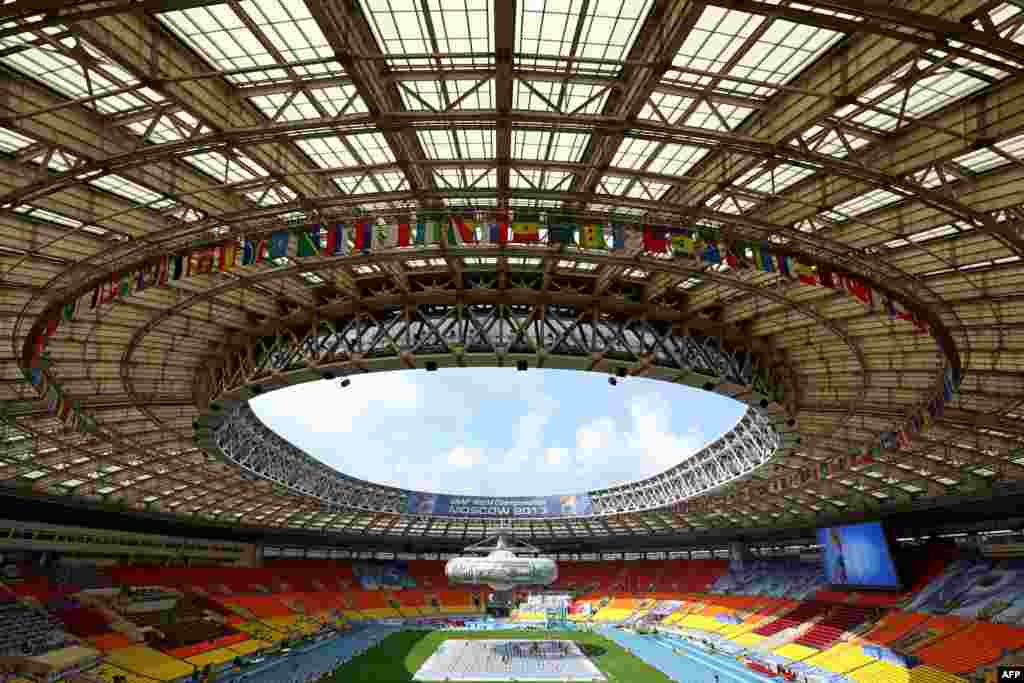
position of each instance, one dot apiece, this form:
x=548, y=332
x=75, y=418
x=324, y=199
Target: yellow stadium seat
x=213, y=657
x=796, y=653
x=247, y=647
x=108, y=672
x=841, y=658
x=149, y=662
x=880, y=672
x=748, y=639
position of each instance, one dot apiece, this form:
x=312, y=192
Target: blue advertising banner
x=480, y=506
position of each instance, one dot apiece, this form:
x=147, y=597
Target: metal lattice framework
x=885, y=140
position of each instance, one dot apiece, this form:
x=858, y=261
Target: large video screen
x=858, y=555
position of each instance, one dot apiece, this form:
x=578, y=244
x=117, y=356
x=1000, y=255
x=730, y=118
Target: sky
x=496, y=431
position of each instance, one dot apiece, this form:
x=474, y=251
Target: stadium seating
x=840, y=619
x=894, y=626
x=841, y=658
x=804, y=612
x=972, y=647
x=26, y=630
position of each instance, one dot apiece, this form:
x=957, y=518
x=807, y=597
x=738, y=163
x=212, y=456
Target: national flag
x=902, y=439
x=67, y=311
x=385, y=236
x=165, y=270
x=498, y=231
x=618, y=237
x=404, y=235
x=525, y=231
x=786, y=265
x=888, y=440
x=766, y=261
x=126, y=284
x=683, y=244
x=279, y=242
x=95, y=297
x=202, y=261
x=655, y=240
x=806, y=273
x=179, y=267
x=859, y=289
x=337, y=240
x=592, y=236
x=65, y=410
x=735, y=255
x=467, y=230
x=711, y=253
x=310, y=243
x=228, y=257
x=140, y=279
x=562, y=233
x=248, y=252
x=826, y=277
x=364, y=236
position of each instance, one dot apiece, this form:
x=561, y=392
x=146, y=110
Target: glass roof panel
x=868, y=201
x=675, y=159
x=987, y=158
x=780, y=53
x=12, y=141
x=271, y=196
x=371, y=148
x=729, y=203
x=547, y=146
x=402, y=26
x=481, y=179
x=391, y=181
x=943, y=80
x=773, y=180
x=633, y=153
x=668, y=105
x=528, y=178
x=607, y=30
x=329, y=152
x=462, y=93
x=234, y=169
x=171, y=127
x=293, y=33
x=218, y=34
x=567, y=98
x=46, y=62
x=829, y=141
x=714, y=41
x=127, y=189
x=457, y=144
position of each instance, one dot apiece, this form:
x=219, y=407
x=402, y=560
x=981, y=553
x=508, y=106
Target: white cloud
x=554, y=457
x=494, y=431
x=463, y=457
x=324, y=407
x=595, y=435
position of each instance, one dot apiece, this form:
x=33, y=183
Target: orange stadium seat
x=974, y=646
x=894, y=626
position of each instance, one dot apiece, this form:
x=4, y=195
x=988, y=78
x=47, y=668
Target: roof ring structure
x=440, y=337
x=228, y=196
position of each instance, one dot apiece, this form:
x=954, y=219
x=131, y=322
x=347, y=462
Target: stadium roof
x=881, y=146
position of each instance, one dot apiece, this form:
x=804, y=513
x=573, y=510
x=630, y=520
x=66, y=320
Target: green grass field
x=399, y=656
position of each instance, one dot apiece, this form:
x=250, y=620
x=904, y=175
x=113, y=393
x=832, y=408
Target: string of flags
x=363, y=237
x=369, y=235
x=65, y=409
